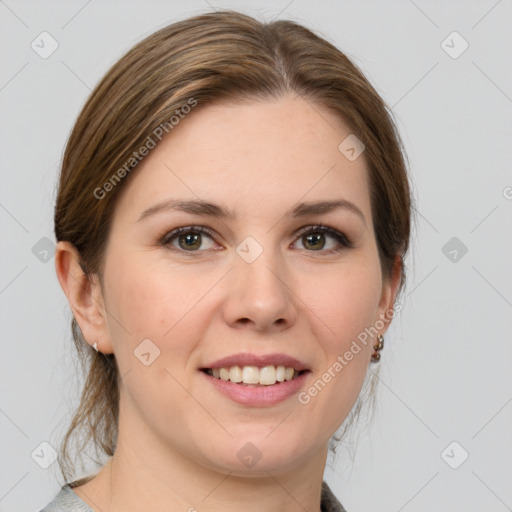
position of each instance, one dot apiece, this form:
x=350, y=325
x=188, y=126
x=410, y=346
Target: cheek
x=140, y=305
x=161, y=304
x=159, y=307
x=150, y=302
x=343, y=310
x=344, y=304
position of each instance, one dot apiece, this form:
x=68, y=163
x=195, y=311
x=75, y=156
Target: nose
x=260, y=295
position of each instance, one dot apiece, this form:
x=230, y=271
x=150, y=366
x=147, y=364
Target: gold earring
x=378, y=348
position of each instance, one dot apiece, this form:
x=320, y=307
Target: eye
x=313, y=238
x=189, y=239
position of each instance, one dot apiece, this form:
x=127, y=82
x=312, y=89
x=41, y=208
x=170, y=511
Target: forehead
x=270, y=153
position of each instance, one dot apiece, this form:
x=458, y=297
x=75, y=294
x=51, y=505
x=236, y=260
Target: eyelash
x=341, y=238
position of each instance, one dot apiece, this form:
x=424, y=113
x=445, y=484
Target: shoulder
x=67, y=501
x=329, y=502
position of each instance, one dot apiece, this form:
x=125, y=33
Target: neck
x=146, y=476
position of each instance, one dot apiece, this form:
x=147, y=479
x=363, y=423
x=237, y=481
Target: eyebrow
x=207, y=209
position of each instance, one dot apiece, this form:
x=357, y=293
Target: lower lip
x=257, y=395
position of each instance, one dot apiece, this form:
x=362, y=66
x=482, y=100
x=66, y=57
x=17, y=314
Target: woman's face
x=260, y=286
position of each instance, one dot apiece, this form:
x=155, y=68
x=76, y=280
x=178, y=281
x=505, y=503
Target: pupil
x=190, y=240
x=315, y=239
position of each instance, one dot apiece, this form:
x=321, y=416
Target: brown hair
x=222, y=55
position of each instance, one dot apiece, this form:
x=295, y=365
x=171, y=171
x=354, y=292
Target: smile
x=254, y=375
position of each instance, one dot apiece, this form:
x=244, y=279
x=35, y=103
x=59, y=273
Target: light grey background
x=446, y=368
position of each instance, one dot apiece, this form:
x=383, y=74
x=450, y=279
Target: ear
x=84, y=295
x=385, y=310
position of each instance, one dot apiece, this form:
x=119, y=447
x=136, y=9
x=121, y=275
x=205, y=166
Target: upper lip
x=246, y=359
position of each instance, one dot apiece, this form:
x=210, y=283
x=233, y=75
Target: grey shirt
x=68, y=501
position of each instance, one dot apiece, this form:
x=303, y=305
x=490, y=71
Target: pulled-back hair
x=216, y=56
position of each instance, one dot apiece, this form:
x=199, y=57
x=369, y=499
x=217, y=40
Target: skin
x=178, y=436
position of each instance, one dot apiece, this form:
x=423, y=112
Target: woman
x=232, y=218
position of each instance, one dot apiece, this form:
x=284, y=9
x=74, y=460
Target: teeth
x=235, y=374
x=266, y=376
x=250, y=375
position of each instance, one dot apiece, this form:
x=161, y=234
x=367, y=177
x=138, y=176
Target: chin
x=254, y=455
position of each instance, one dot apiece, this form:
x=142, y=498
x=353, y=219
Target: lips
x=246, y=359
x=257, y=380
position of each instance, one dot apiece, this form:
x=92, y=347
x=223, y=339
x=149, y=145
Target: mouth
x=256, y=380
x=250, y=375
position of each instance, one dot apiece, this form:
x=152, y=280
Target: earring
x=378, y=348
x=95, y=346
